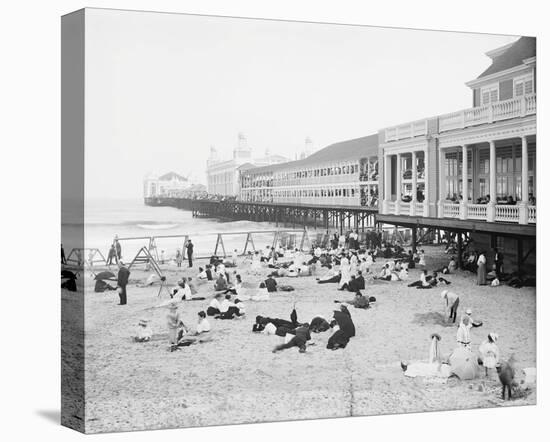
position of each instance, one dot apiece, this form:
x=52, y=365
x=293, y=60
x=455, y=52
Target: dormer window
x=523, y=85
x=489, y=94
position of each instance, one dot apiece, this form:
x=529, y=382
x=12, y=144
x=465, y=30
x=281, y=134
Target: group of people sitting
x=297, y=334
x=429, y=281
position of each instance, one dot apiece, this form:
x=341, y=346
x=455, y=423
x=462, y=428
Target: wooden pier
x=333, y=218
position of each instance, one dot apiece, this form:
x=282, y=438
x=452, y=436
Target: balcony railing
x=501, y=110
x=408, y=130
x=532, y=214
x=451, y=210
x=476, y=211
x=507, y=213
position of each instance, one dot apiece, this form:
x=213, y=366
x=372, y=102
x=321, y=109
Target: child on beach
x=489, y=352
x=144, y=332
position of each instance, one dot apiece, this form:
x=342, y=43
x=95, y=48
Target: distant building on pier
x=164, y=185
x=223, y=175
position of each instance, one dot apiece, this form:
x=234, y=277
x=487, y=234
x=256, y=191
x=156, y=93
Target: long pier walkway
x=339, y=218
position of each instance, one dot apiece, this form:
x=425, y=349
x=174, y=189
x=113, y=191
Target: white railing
x=532, y=214
x=501, y=110
x=404, y=208
x=476, y=211
x=419, y=208
x=531, y=104
x=408, y=130
x=390, y=205
x=451, y=210
x=506, y=213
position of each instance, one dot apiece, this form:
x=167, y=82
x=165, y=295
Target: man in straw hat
x=176, y=327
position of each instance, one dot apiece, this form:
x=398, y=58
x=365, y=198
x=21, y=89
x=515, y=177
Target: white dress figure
x=346, y=275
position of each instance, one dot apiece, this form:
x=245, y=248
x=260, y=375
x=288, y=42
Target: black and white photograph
x=275, y=225
x=293, y=217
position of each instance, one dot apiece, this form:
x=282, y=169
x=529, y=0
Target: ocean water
x=131, y=218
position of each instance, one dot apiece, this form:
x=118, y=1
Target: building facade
x=476, y=163
x=342, y=174
x=223, y=175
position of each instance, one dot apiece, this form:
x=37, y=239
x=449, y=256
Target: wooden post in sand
x=413, y=239
x=459, y=249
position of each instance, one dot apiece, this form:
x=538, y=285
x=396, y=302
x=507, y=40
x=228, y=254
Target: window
x=523, y=85
x=489, y=94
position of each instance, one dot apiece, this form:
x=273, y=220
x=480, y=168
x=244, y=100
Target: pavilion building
x=342, y=174
x=473, y=169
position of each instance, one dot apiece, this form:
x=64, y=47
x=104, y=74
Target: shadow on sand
x=432, y=318
x=54, y=416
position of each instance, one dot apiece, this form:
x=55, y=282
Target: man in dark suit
x=122, y=282
x=190, y=253
x=498, y=262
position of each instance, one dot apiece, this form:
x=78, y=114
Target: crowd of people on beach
x=352, y=266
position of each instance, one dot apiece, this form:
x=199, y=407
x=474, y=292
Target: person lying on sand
x=359, y=301
x=423, y=282
x=300, y=338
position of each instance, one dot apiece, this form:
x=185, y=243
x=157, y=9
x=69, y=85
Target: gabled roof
x=171, y=175
x=513, y=56
x=342, y=151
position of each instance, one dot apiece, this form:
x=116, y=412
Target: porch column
x=426, y=184
x=442, y=176
x=523, y=210
x=398, y=185
x=492, y=182
x=387, y=183
x=464, y=202
x=414, y=184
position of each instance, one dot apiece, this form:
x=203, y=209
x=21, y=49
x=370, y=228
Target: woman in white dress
x=489, y=352
x=422, y=259
x=345, y=272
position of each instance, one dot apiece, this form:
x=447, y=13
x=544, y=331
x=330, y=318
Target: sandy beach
x=237, y=379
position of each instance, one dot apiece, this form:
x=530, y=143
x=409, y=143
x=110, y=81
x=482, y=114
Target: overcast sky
x=162, y=88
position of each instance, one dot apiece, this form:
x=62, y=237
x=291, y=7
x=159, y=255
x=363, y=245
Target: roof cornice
x=490, y=77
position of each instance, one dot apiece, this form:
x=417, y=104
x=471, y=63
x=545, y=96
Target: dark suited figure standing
x=122, y=282
x=118, y=250
x=63, y=259
x=498, y=262
x=112, y=255
x=190, y=253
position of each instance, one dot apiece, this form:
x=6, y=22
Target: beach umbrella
x=105, y=275
x=463, y=363
x=67, y=274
